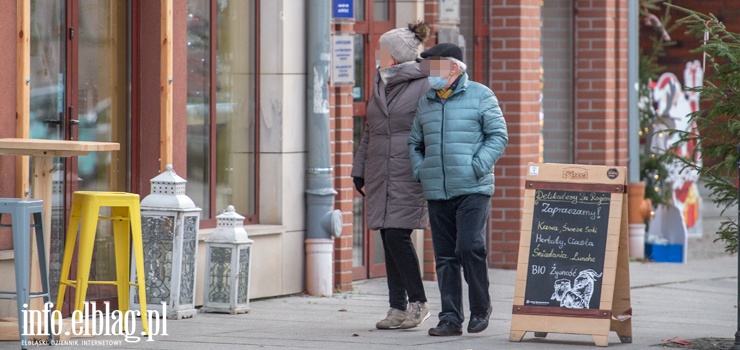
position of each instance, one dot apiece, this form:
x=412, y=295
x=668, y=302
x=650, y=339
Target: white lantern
x=228, y=265
x=170, y=222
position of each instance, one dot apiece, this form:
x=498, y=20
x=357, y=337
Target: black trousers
x=402, y=268
x=459, y=238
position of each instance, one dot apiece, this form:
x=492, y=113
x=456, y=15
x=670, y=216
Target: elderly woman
x=395, y=203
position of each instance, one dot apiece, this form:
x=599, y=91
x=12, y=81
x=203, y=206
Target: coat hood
x=400, y=73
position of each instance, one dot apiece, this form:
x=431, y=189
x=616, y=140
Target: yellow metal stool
x=126, y=217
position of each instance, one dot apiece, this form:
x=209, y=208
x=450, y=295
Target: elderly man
x=457, y=136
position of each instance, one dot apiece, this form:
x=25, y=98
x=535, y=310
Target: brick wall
x=515, y=78
x=340, y=124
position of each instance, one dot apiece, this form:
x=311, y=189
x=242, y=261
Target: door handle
x=72, y=122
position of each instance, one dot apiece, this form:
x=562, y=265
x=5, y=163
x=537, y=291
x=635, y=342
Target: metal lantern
x=169, y=221
x=228, y=265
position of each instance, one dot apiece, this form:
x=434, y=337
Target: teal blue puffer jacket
x=454, y=144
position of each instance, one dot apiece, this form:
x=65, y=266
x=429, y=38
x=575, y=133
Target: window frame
x=208, y=220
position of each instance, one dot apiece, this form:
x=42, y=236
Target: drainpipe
x=639, y=208
x=322, y=223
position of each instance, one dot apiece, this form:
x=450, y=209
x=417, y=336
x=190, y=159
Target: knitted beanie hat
x=404, y=42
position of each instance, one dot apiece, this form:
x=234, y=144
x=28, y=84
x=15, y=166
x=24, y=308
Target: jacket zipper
x=442, y=150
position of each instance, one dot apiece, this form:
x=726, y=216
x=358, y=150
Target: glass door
x=101, y=109
x=48, y=112
x=79, y=56
x=373, y=18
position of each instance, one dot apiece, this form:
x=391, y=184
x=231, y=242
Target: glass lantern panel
x=189, y=249
x=243, y=292
x=157, y=238
x=219, y=275
x=198, y=103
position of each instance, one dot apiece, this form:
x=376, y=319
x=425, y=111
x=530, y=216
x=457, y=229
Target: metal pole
x=737, y=333
x=633, y=124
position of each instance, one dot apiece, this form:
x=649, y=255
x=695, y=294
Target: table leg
x=41, y=186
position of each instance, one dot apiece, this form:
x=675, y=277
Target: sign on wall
x=342, y=59
x=343, y=10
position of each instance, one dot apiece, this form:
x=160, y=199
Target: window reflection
x=557, y=89
x=102, y=109
x=358, y=91
x=102, y=106
x=47, y=108
x=381, y=10
x=467, y=34
x=234, y=103
x=235, y=108
x=359, y=10
x=199, y=99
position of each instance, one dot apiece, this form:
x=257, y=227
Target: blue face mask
x=437, y=83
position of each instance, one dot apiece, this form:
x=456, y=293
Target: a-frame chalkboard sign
x=573, y=270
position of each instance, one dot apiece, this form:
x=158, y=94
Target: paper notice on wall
x=343, y=59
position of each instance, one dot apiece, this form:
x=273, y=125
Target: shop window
x=557, y=81
x=222, y=153
x=358, y=91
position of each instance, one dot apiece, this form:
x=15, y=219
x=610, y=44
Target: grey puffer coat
x=394, y=198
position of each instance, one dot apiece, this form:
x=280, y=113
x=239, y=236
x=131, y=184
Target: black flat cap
x=443, y=50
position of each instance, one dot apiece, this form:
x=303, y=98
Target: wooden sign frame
x=615, y=311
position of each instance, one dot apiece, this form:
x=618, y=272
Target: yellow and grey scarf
x=446, y=93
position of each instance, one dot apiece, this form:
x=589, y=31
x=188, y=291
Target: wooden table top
x=53, y=148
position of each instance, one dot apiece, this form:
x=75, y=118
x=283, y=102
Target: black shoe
x=444, y=329
x=479, y=323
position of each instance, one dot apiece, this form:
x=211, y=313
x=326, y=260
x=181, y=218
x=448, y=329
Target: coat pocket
x=478, y=169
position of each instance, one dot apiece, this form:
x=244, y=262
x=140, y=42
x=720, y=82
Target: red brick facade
x=340, y=124
x=515, y=77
